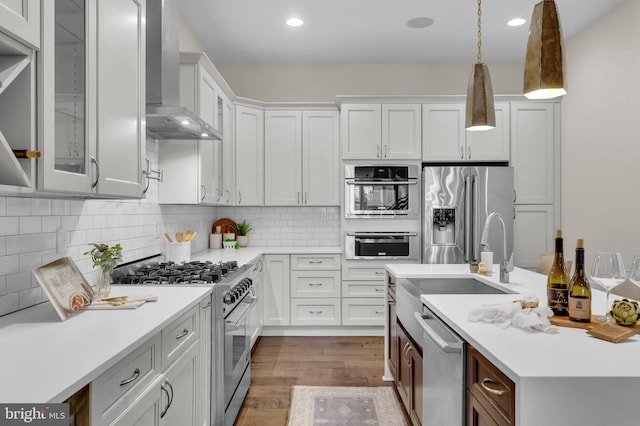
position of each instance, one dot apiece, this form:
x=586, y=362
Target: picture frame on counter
x=65, y=286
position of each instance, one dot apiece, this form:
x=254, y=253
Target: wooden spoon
x=179, y=236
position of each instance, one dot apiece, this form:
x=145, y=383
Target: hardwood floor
x=278, y=363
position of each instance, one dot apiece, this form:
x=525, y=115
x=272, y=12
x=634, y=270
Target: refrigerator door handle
x=467, y=219
x=475, y=227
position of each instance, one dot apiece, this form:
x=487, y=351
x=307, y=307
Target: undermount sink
x=453, y=286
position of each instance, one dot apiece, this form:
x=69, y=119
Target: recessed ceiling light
x=516, y=22
x=294, y=22
x=421, y=22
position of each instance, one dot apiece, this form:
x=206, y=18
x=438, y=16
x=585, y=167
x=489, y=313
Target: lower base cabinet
x=80, y=408
x=490, y=393
x=409, y=376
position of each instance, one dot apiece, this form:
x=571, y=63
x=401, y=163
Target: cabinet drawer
x=315, y=261
x=178, y=336
x=315, y=311
x=489, y=385
x=315, y=284
x=122, y=383
x=366, y=311
x=362, y=289
x=362, y=272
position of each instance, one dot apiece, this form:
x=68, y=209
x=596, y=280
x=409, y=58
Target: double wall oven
x=232, y=300
x=382, y=211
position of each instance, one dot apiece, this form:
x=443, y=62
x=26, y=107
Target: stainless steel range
x=233, y=297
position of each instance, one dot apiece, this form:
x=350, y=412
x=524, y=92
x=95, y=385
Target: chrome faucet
x=484, y=242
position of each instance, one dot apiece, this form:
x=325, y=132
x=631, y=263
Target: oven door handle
x=239, y=312
x=381, y=234
x=385, y=183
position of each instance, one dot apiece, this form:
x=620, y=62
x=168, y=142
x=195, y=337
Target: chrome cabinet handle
x=462, y=152
x=315, y=312
x=378, y=273
x=378, y=290
x=166, y=386
x=378, y=151
x=306, y=201
x=95, y=162
x=184, y=333
x=484, y=383
x=386, y=151
x=134, y=376
x=220, y=193
x=204, y=192
x=469, y=152
x=208, y=305
x=261, y=265
x=239, y=197
x=315, y=284
x=298, y=197
x=228, y=196
x=315, y=262
x=379, y=312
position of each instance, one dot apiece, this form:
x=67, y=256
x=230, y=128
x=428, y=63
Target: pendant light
x=544, y=63
x=480, y=114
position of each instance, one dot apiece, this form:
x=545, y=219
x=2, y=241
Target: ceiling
x=371, y=31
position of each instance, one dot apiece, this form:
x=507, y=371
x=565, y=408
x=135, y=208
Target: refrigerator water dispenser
x=444, y=226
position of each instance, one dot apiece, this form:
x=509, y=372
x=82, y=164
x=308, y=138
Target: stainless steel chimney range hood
x=166, y=118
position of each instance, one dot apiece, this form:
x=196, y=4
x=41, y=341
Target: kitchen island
x=566, y=378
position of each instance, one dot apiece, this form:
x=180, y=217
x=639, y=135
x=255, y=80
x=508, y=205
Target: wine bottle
x=579, y=289
x=25, y=153
x=558, y=281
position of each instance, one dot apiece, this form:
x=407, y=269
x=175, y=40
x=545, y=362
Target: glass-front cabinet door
x=66, y=158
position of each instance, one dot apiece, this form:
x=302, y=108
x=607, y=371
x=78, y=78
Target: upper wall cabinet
x=375, y=131
x=17, y=115
x=21, y=18
x=301, y=157
x=194, y=170
x=92, y=103
x=249, y=155
x=444, y=137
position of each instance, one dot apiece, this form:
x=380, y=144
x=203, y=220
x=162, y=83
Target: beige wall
x=322, y=82
x=600, y=143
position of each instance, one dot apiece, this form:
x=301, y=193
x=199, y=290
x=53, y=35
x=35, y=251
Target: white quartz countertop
x=568, y=378
x=519, y=353
x=44, y=359
x=249, y=254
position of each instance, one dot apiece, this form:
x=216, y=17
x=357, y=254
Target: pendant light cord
x=479, y=31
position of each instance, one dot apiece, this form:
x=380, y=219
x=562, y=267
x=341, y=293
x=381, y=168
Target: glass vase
x=103, y=288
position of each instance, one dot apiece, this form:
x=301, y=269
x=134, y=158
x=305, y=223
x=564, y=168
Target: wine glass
x=634, y=274
x=608, y=271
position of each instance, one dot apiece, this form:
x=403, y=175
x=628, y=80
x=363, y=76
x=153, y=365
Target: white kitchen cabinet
x=301, y=157
x=256, y=317
x=182, y=379
x=249, y=156
x=228, y=153
x=444, y=137
x=204, y=394
x=315, y=312
x=276, y=290
x=21, y=19
x=401, y=131
x=193, y=170
x=533, y=144
x=92, y=101
x=533, y=233
x=17, y=115
x=145, y=409
x=380, y=131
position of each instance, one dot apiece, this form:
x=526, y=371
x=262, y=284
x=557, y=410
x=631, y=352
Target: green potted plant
x=106, y=257
x=242, y=229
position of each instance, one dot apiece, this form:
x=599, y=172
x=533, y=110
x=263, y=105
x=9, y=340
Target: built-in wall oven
x=381, y=191
x=382, y=245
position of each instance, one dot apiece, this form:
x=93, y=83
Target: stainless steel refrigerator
x=456, y=203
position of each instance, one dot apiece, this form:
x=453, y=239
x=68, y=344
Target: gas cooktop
x=160, y=272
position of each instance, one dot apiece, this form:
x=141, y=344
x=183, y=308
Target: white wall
x=600, y=143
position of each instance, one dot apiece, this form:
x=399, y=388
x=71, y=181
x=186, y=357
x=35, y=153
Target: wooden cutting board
x=226, y=225
x=607, y=331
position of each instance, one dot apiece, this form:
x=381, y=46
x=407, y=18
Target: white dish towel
x=513, y=314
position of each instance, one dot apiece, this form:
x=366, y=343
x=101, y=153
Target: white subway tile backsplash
x=30, y=297
x=30, y=224
x=18, y=206
x=40, y=207
x=18, y=282
x=3, y=204
x=9, y=303
x=9, y=226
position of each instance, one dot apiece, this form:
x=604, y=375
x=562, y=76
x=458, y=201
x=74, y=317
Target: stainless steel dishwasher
x=443, y=376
